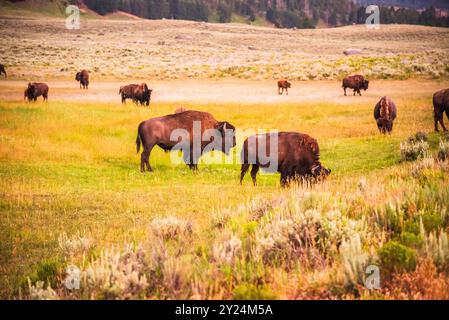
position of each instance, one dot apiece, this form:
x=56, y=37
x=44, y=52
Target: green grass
x=69, y=167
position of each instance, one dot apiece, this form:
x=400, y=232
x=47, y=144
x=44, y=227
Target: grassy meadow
x=72, y=198
x=70, y=177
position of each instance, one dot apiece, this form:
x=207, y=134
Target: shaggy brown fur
x=441, y=106
x=157, y=132
x=283, y=85
x=298, y=157
x=83, y=78
x=2, y=70
x=385, y=112
x=138, y=93
x=356, y=82
x=36, y=90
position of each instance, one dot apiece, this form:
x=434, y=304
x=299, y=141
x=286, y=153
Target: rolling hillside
x=302, y=14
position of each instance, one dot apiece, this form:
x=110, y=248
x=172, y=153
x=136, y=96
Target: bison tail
x=138, y=143
x=139, y=139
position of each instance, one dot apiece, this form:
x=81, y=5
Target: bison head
x=318, y=171
x=365, y=85
x=288, y=84
x=78, y=76
x=147, y=95
x=384, y=125
x=31, y=87
x=227, y=132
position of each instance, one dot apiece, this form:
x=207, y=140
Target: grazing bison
x=298, y=156
x=36, y=90
x=177, y=131
x=138, y=93
x=2, y=70
x=127, y=92
x=356, y=83
x=142, y=94
x=83, y=78
x=385, y=112
x=441, y=106
x=283, y=85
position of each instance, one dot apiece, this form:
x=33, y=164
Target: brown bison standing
x=158, y=132
x=298, y=156
x=83, y=78
x=283, y=85
x=356, y=83
x=36, y=90
x=138, y=93
x=385, y=112
x=2, y=70
x=441, y=106
x=142, y=94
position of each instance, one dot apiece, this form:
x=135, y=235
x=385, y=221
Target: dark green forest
x=283, y=14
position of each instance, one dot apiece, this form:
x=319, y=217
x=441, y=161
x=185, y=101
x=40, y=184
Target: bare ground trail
x=229, y=91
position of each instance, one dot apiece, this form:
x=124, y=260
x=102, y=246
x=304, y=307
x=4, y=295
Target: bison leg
x=245, y=168
x=344, y=88
x=284, y=180
x=442, y=119
x=254, y=172
x=279, y=90
x=286, y=90
x=190, y=161
x=442, y=124
x=439, y=119
x=145, y=159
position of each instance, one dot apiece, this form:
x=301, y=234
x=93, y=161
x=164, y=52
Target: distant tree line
x=282, y=13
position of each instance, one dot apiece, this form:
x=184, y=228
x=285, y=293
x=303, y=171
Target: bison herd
x=298, y=155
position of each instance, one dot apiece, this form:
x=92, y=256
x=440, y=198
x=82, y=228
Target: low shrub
x=443, y=150
x=412, y=150
x=251, y=292
x=395, y=257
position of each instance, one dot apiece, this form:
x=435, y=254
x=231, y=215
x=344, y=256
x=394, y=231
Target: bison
x=27, y=95
x=185, y=126
x=83, y=78
x=36, y=90
x=2, y=70
x=356, y=82
x=385, y=112
x=138, y=93
x=142, y=94
x=283, y=85
x=441, y=106
x=298, y=156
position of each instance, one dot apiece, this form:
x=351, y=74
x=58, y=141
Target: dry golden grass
x=111, y=49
